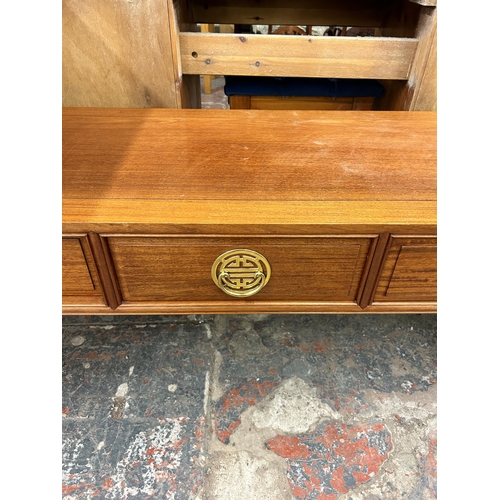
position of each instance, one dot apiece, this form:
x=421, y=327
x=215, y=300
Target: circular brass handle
x=241, y=272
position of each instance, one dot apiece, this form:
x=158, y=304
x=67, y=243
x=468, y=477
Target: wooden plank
x=269, y=171
x=423, y=76
x=240, y=102
x=296, y=12
x=320, y=103
x=304, y=56
x=207, y=79
x=188, y=86
x=249, y=307
x=121, y=54
x=136, y=216
x=306, y=155
x=362, y=103
x=419, y=92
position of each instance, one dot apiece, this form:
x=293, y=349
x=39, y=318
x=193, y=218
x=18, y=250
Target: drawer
x=80, y=283
x=409, y=273
x=302, y=269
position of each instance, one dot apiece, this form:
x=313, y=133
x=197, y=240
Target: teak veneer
x=342, y=204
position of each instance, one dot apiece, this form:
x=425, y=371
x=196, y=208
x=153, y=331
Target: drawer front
x=409, y=273
x=315, y=269
x=80, y=284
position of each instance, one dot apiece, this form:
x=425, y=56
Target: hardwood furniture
x=148, y=54
x=324, y=212
x=260, y=92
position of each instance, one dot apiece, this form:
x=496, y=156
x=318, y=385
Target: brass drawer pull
x=241, y=272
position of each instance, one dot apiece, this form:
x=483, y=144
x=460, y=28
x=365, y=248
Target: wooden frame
x=302, y=56
x=118, y=54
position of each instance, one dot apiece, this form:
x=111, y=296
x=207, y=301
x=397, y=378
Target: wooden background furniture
x=149, y=53
x=260, y=92
x=341, y=204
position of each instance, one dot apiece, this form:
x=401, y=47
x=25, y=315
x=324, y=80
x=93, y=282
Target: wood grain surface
x=302, y=56
x=164, y=192
x=409, y=272
x=118, y=53
x=80, y=279
x=248, y=155
x=296, y=103
x=178, y=269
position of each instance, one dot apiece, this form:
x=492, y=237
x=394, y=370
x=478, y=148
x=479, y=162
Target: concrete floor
x=257, y=407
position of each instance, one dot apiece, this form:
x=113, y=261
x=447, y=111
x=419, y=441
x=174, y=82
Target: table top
x=182, y=170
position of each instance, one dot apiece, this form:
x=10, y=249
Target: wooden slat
x=227, y=307
x=136, y=216
x=423, y=77
x=419, y=92
x=277, y=102
x=180, y=18
x=303, y=56
x=313, y=12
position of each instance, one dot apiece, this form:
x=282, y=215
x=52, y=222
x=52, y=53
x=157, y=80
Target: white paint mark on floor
x=209, y=331
x=78, y=340
x=292, y=407
x=206, y=393
x=237, y=475
x=122, y=390
x=158, y=454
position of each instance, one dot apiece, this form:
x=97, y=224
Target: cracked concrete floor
x=326, y=407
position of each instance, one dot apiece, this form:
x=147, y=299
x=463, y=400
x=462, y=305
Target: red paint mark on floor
x=248, y=393
x=431, y=461
x=304, y=347
x=334, y=459
x=234, y=402
x=322, y=345
x=107, y=484
x=224, y=435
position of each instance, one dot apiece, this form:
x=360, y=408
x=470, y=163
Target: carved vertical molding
x=105, y=269
x=379, y=255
